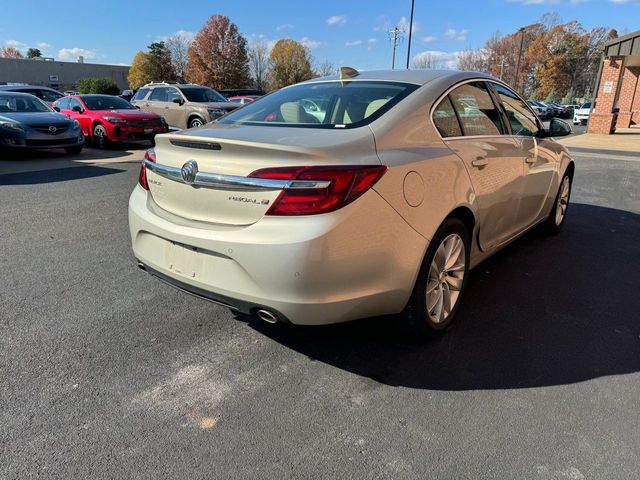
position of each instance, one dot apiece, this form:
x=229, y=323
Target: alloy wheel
x=446, y=277
x=100, y=135
x=563, y=200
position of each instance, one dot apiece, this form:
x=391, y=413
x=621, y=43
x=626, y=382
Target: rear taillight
x=142, y=178
x=346, y=184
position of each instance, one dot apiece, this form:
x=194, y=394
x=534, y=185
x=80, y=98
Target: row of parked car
x=547, y=111
x=55, y=120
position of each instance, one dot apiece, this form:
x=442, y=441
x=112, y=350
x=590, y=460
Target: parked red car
x=105, y=119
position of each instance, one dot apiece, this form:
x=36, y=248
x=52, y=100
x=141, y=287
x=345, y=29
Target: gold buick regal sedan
x=345, y=197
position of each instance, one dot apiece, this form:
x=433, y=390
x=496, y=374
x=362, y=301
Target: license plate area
x=183, y=259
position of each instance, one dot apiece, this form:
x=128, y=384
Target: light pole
x=410, y=32
x=516, y=82
x=395, y=35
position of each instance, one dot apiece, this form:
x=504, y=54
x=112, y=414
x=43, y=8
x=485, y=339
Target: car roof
x=16, y=88
x=418, y=77
x=16, y=94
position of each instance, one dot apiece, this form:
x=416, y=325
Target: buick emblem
x=53, y=129
x=189, y=171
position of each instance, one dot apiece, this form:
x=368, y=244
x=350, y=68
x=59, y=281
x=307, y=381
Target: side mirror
x=57, y=109
x=177, y=100
x=559, y=128
x=77, y=108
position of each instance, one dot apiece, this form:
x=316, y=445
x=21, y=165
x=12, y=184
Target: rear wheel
x=561, y=205
x=441, y=281
x=100, y=137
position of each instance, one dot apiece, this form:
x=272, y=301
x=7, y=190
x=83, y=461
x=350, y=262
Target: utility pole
x=522, y=30
x=395, y=36
x=502, y=65
x=410, y=32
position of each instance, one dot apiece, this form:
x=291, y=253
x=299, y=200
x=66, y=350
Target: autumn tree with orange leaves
x=10, y=52
x=559, y=60
x=290, y=63
x=218, y=55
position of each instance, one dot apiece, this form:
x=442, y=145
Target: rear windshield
x=322, y=105
x=585, y=105
x=106, y=102
x=202, y=94
x=22, y=103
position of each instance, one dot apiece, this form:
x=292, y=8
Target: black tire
x=551, y=224
x=195, y=122
x=415, y=316
x=100, y=137
x=74, y=150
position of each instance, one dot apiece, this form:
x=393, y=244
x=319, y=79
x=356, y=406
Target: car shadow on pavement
x=547, y=310
x=56, y=175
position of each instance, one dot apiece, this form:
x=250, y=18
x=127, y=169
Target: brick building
x=617, y=102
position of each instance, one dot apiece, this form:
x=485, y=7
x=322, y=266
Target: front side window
x=159, y=95
x=522, y=120
x=323, y=105
x=73, y=102
x=445, y=120
x=172, y=93
x=106, y=102
x=476, y=110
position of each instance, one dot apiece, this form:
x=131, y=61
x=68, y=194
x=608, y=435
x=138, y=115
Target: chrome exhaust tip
x=267, y=316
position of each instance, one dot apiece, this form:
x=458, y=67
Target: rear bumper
x=357, y=262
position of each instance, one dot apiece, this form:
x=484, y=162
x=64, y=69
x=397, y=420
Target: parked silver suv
x=182, y=105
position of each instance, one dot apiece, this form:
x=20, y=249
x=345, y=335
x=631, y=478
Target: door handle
x=480, y=162
x=530, y=159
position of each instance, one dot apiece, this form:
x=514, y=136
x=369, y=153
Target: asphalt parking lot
x=107, y=373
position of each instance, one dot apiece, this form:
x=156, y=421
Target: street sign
x=608, y=87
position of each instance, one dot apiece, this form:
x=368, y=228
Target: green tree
x=98, y=85
x=34, y=53
x=290, y=63
x=162, y=65
x=218, y=55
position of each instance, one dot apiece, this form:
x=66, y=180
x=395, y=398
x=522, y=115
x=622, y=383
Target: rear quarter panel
x=406, y=142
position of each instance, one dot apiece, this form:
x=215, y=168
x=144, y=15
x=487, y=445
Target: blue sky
x=347, y=32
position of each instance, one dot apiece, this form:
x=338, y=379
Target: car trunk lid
x=224, y=156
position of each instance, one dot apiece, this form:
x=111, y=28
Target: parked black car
x=26, y=122
x=46, y=94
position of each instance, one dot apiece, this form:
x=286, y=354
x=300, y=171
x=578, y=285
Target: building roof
x=627, y=45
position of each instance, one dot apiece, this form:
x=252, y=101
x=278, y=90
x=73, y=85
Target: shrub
x=98, y=85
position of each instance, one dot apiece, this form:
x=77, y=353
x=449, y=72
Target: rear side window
x=159, y=95
x=140, y=94
x=522, y=120
x=476, y=110
x=48, y=96
x=445, y=120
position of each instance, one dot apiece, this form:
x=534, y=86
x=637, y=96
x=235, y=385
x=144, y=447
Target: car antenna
x=347, y=73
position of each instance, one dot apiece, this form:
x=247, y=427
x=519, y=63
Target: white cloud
x=186, y=34
x=428, y=39
x=43, y=45
x=74, y=53
x=444, y=59
x=284, y=26
x=458, y=35
x=404, y=25
x=354, y=43
x=626, y=2
x=337, y=20
x=307, y=42
x=16, y=44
